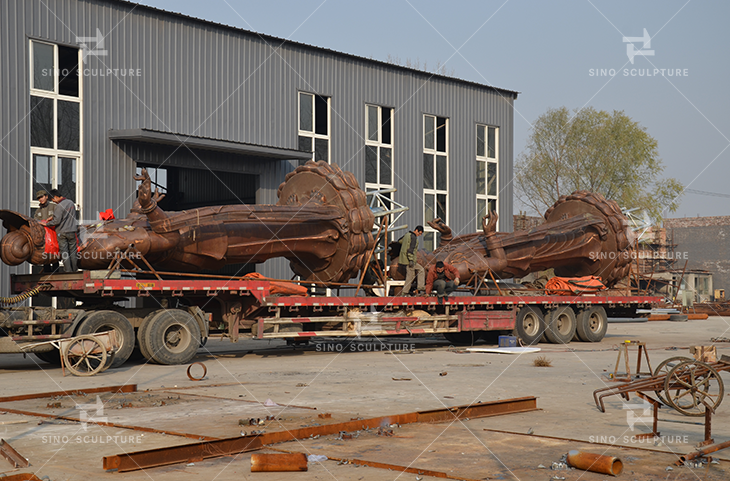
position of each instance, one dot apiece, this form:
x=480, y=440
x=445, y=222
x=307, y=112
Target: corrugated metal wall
x=204, y=80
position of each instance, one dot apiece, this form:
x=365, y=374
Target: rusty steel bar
x=106, y=424
x=595, y=463
x=277, y=463
x=75, y=392
x=14, y=457
x=22, y=477
x=230, y=446
x=396, y=467
x=701, y=452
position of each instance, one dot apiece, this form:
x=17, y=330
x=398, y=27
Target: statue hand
x=489, y=223
x=144, y=192
x=440, y=226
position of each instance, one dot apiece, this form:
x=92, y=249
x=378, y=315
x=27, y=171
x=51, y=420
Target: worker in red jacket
x=444, y=278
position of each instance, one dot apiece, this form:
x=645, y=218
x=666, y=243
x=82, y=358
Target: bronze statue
x=323, y=225
x=583, y=234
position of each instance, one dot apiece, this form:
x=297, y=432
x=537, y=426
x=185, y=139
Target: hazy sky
x=545, y=50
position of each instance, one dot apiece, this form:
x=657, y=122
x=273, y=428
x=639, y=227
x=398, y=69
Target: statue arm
x=147, y=201
x=495, y=248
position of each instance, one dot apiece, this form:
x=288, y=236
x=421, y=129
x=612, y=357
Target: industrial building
x=94, y=90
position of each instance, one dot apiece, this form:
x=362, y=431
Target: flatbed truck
x=179, y=315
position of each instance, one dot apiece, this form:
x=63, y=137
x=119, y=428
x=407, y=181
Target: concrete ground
x=361, y=380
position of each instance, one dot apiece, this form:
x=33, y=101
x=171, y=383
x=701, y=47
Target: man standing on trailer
x=42, y=214
x=407, y=258
x=64, y=218
x=444, y=277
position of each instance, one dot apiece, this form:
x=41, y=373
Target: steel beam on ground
x=74, y=392
x=231, y=446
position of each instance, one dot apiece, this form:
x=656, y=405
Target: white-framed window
x=435, y=176
x=55, y=120
x=487, y=171
x=378, y=147
x=314, y=125
x=379, y=155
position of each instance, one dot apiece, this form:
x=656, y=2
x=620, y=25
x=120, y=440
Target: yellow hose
x=8, y=301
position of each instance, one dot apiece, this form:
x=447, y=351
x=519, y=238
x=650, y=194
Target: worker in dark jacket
x=46, y=208
x=444, y=278
x=64, y=219
x=407, y=258
x=42, y=214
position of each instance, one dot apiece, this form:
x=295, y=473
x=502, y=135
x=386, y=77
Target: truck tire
x=102, y=321
x=591, y=324
x=560, y=325
x=466, y=338
x=51, y=357
x=144, y=348
x=172, y=337
x=529, y=325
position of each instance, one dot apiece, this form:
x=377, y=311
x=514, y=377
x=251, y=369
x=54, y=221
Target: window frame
x=486, y=197
x=54, y=152
x=435, y=191
x=313, y=135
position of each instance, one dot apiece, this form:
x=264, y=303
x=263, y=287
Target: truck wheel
x=172, y=337
x=466, y=338
x=529, y=325
x=51, y=357
x=591, y=324
x=560, y=324
x=144, y=348
x=102, y=321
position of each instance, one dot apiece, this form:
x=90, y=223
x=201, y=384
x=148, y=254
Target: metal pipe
x=702, y=452
x=595, y=463
x=278, y=462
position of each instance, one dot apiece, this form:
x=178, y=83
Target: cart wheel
x=690, y=384
x=84, y=355
x=664, y=368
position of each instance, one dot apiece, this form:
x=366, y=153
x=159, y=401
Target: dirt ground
x=262, y=386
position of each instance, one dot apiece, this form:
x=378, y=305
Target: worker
x=64, y=219
x=444, y=278
x=407, y=258
x=42, y=214
x=46, y=207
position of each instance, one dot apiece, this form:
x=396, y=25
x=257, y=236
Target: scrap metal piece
x=230, y=446
x=701, y=452
x=193, y=378
x=595, y=462
x=280, y=462
x=14, y=457
x=22, y=477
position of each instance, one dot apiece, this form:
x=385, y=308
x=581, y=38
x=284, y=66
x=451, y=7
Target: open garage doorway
x=187, y=189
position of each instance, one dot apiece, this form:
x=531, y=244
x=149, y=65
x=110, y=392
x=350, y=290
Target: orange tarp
x=566, y=286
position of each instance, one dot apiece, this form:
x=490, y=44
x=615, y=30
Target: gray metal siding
x=203, y=80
